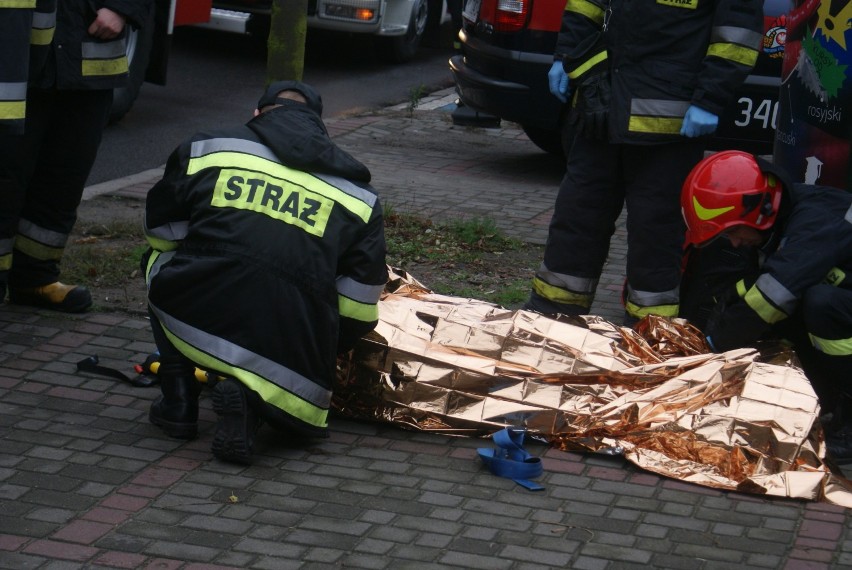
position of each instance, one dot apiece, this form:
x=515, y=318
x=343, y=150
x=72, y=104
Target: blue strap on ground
x=511, y=460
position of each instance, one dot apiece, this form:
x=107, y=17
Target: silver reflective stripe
x=16, y=91
x=569, y=282
x=6, y=247
x=348, y=187
x=658, y=107
x=239, y=357
x=734, y=35
x=358, y=291
x=44, y=236
x=44, y=20
x=653, y=298
x=773, y=290
x=161, y=260
x=848, y=216
x=106, y=50
x=173, y=231
x=209, y=146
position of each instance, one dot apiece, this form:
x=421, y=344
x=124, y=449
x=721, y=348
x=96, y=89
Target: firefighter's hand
x=107, y=24
x=698, y=122
x=558, y=81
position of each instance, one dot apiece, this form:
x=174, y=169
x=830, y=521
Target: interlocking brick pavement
x=87, y=482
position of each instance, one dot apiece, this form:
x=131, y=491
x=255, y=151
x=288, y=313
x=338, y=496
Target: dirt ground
x=107, y=242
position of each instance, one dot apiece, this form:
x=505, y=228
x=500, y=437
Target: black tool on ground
x=91, y=364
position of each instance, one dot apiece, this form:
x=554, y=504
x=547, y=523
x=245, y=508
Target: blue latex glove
x=698, y=122
x=558, y=81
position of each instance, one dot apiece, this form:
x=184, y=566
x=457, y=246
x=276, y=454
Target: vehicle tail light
x=511, y=15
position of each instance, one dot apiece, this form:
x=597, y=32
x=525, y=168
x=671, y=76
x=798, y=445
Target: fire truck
x=397, y=25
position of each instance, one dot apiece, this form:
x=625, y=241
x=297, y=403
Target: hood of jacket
x=297, y=136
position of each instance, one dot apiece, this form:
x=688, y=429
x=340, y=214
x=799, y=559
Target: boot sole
x=232, y=441
x=174, y=429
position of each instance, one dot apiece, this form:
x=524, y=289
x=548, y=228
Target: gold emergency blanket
x=743, y=420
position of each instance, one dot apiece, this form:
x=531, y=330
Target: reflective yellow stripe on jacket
x=105, y=58
x=585, y=8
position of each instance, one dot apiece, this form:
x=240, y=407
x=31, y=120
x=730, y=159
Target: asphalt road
x=215, y=79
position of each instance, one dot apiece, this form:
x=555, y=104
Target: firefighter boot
x=838, y=431
x=176, y=410
x=56, y=296
x=237, y=423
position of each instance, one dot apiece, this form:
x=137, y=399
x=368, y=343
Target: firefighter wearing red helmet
x=800, y=286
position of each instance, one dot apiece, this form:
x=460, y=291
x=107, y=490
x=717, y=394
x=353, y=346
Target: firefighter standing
x=26, y=30
x=67, y=107
x=801, y=292
x=649, y=79
x=268, y=259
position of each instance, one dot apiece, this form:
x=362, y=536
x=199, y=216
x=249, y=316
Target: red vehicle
x=507, y=50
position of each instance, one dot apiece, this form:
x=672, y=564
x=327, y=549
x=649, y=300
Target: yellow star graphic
x=834, y=27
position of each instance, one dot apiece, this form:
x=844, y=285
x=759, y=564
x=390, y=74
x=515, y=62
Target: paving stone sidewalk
x=87, y=482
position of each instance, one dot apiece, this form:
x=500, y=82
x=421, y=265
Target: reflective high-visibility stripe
x=13, y=110
x=170, y=232
x=233, y=153
x=656, y=115
x=642, y=303
x=44, y=26
x=569, y=282
x=848, y=216
x=38, y=250
x=107, y=58
x=155, y=262
x=639, y=312
x=770, y=300
x=17, y=4
x=732, y=52
x=276, y=384
x=367, y=312
x=49, y=237
x=560, y=295
x=833, y=347
x=358, y=291
x=357, y=300
x=741, y=288
x=588, y=64
x=688, y=4
x=13, y=97
x=739, y=45
x=585, y=8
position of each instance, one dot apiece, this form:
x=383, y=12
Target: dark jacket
x=268, y=257
x=815, y=247
x=76, y=60
x=663, y=56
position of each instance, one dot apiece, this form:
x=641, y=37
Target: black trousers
x=600, y=179
x=49, y=171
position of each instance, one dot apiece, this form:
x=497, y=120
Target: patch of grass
x=105, y=255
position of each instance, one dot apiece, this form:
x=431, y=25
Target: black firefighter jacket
x=77, y=60
x=815, y=247
x=662, y=56
x=268, y=258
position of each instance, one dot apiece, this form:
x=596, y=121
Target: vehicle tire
x=139, y=44
x=548, y=140
x=400, y=49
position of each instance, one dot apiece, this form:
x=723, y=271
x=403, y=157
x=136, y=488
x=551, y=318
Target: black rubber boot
x=237, y=424
x=838, y=431
x=176, y=411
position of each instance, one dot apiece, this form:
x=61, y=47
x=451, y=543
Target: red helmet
x=728, y=189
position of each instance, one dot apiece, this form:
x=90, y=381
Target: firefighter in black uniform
x=800, y=286
x=26, y=30
x=67, y=105
x=649, y=79
x=267, y=260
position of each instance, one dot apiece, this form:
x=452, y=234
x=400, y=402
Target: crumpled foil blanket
x=745, y=420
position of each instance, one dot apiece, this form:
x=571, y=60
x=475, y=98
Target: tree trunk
x=286, y=44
